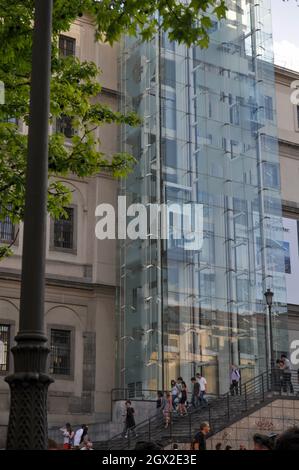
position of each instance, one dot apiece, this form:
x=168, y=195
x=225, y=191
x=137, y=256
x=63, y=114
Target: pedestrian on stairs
x=175, y=393
x=287, y=374
x=129, y=420
x=168, y=409
x=183, y=399
x=235, y=377
x=202, y=389
x=160, y=402
x=195, y=392
x=200, y=439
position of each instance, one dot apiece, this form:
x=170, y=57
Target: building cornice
x=71, y=283
x=288, y=149
x=284, y=76
x=290, y=208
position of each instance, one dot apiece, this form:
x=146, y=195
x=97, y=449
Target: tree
x=75, y=86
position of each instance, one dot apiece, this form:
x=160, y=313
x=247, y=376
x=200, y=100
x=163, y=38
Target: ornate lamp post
x=27, y=428
x=269, y=297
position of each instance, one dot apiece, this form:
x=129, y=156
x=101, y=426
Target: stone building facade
x=80, y=277
x=81, y=274
x=288, y=135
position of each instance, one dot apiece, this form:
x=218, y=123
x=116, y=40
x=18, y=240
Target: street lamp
x=269, y=298
x=27, y=427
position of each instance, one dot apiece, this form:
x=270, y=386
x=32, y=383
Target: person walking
x=235, y=377
x=183, y=400
x=278, y=376
x=168, y=409
x=174, y=393
x=200, y=438
x=84, y=437
x=160, y=402
x=179, y=384
x=78, y=435
x=68, y=436
x=129, y=420
x=202, y=389
x=195, y=392
x=287, y=374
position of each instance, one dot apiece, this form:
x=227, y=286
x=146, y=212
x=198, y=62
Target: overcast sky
x=285, y=19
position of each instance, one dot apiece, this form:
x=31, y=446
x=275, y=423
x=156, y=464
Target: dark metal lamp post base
x=28, y=427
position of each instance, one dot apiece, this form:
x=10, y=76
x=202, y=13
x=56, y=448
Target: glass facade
x=208, y=136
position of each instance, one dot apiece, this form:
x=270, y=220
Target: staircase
x=220, y=413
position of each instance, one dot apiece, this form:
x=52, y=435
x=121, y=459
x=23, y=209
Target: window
x=60, y=360
x=135, y=389
x=7, y=230
x=234, y=109
x=269, y=108
x=297, y=115
x=4, y=347
x=138, y=389
x=210, y=108
x=169, y=110
x=67, y=46
x=269, y=143
x=169, y=152
x=64, y=126
x=234, y=149
x=64, y=231
x=271, y=175
x=193, y=345
x=168, y=72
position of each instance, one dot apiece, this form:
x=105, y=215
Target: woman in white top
x=68, y=436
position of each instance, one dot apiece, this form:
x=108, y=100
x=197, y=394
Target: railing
x=220, y=412
x=118, y=394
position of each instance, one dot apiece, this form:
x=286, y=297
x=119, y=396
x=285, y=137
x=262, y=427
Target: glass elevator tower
x=208, y=136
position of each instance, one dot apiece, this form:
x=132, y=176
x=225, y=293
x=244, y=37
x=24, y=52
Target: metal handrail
x=128, y=395
x=252, y=392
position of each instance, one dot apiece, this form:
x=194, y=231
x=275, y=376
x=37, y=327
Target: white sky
x=285, y=20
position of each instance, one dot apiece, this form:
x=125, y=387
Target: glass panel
x=208, y=137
